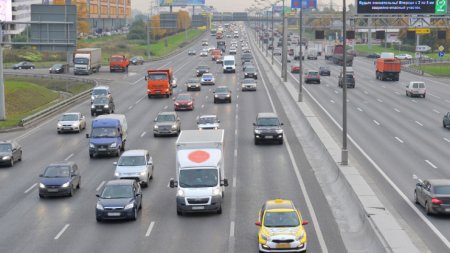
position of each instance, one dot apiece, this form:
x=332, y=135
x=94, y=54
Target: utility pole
x=300, y=54
x=2, y=81
x=344, y=153
x=284, y=50
x=272, y=35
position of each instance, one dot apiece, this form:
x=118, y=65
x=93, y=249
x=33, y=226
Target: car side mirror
x=258, y=223
x=145, y=77
x=87, y=135
x=224, y=182
x=138, y=194
x=41, y=175
x=98, y=195
x=305, y=222
x=282, y=124
x=254, y=124
x=114, y=163
x=173, y=183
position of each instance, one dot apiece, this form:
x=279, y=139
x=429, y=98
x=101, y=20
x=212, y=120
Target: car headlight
x=75, y=124
x=99, y=206
x=129, y=206
x=228, y=95
x=279, y=131
x=174, y=126
x=176, y=103
x=216, y=191
x=155, y=127
x=117, y=174
x=106, y=106
x=65, y=185
x=92, y=98
x=299, y=237
x=6, y=157
x=257, y=131
x=41, y=185
x=91, y=145
x=92, y=106
x=59, y=125
x=180, y=193
x=113, y=145
x=216, y=96
x=143, y=173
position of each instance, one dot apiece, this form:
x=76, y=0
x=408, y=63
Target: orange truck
x=118, y=62
x=216, y=53
x=387, y=69
x=159, y=82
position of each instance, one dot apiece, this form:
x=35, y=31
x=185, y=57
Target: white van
x=416, y=88
x=229, y=64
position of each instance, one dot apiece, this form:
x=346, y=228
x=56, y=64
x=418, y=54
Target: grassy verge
x=438, y=69
x=25, y=96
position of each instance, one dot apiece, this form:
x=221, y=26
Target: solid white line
x=418, y=123
x=447, y=140
x=359, y=109
x=232, y=229
x=29, y=189
x=139, y=100
x=399, y=140
x=235, y=131
x=436, y=111
x=143, y=134
x=376, y=122
x=130, y=107
x=379, y=100
x=149, y=230
x=140, y=79
x=237, y=96
x=237, y=106
x=235, y=153
x=62, y=231
x=431, y=164
x=67, y=158
x=234, y=182
x=100, y=186
x=397, y=110
x=332, y=101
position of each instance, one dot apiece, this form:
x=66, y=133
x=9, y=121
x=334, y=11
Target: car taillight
x=436, y=201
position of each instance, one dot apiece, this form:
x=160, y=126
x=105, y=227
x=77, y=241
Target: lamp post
x=300, y=54
x=273, y=39
x=284, y=49
x=344, y=152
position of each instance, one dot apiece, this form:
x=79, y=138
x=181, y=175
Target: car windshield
x=117, y=192
x=57, y=66
x=192, y=178
x=249, y=81
x=313, y=73
x=183, y=97
x=104, y=132
x=117, y=59
x=101, y=100
x=221, y=90
x=207, y=120
x=69, y=117
x=99, y=92
x=267, y=122
x=5, y=147
x=192, y=81
x=207, y=76
x=131, y=161
x=157, y=76
x=281, y=219
x=202, y=67
x=443, y=189
x=250, y=69
x=165, y=117
x=57, y=171
x=81, y=60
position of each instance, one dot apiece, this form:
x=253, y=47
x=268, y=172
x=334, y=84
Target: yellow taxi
x=281, y=228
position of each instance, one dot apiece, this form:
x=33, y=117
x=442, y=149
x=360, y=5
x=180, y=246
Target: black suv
x=350, y=80
x=102, y=105
x=250, y=72
x=268, y=128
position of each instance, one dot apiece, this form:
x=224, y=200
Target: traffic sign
x=441, y=48
x=420, y=30
x=422, y=48
x=441, y=54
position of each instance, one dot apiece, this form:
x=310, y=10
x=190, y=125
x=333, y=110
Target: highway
x=403, y=136
x=255, y=173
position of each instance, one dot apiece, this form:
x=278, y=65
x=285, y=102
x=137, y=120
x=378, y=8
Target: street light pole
x=284, y=50
x=267, y=28
x=300, y=53
x=344, y=153
x=272, y=35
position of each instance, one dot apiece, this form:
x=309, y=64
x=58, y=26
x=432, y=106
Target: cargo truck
x=338, y=56
x=87, y=60
x=387, y=69
x=108, y=135
x=118, y=62
x=329, y=49
x=159, y=82
x=200, y=168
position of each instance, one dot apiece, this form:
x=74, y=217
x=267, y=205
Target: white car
x=233, y=50
x=204, y=53
x=208, y=122
x=71, y=122
x=404, y=56
x=135, y=164
x=204, y=43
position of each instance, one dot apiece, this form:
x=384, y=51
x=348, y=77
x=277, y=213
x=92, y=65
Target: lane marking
x=139, y=100
x=431, y=164
x=383, y=86
x=232, y=229
x=67, y=158
x=143, y=134
x=414, y=101
x=359, y=109
x=376, y=122
x=165, y=107
x=379, y=100
x=130, y=107
x=62, y=231
x=396, y=92
x=436, y=111
x=29, y=189
x=399, y=140
x=397, y=110
x=366, y=92
x=332, y=101
x=434, y=96
x=234, y=182
x=335, y=91
x=418, y=123
x=203, y=106
x=100, y=186
x=447, y=140
x=149, y=230
x=140, y=79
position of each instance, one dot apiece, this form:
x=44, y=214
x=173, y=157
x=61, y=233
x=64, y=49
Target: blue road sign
x=305, y=4
x=441, y=54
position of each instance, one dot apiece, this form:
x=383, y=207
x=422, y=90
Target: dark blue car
x=119, y=199
x=59, y=179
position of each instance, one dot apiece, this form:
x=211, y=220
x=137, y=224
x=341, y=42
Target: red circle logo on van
x=198, y=156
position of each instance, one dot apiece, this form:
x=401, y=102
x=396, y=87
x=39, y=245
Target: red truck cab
x=118, y=62
x=159, y=82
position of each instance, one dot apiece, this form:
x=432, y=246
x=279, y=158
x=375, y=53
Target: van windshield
x=228, y=62
x=81, y=61
x=195, y=178
x=104, y=132
x=158, y=76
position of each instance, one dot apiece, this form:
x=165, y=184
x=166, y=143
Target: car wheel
x=155, y=135
x=281, y=142
x=423, y=95
x=443, y=124
x=406, y=93
x=91, y=155
x=256, y=142
x=20, y=157
x=118, y=153
x=416, y=200
x=215, y=101
x=220, y=210
x=31, y=67
x=134, y=217
x=98, y=219
x=11, y=163
x=92, y=114
x=71, y=191
x=179, y=212
x=151, y=176
x=41, y=196
x=428, y=209
x=20, y=67
x=79, y=183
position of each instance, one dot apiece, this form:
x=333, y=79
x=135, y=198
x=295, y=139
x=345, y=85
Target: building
x=21, y=12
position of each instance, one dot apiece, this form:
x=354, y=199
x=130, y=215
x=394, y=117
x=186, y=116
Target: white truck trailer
x=87, y=60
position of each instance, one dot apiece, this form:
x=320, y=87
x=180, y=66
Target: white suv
x=135, y=164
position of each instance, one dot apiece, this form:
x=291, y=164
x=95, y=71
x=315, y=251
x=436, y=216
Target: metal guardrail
x=29, y=120
x=412, y=70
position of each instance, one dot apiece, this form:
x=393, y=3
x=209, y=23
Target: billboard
x=5, y=10
x=438, y=7
x=304, y=4
x=181, y=2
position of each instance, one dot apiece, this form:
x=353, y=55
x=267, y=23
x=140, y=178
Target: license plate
x=99, y=110
x=102, y=149
x=283, y=245
x=52, y=190
x=198, y=207
x=269, y=137
x=67, y=128
x=113, y=214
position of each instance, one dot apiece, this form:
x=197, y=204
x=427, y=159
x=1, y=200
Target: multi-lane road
x=255, y=173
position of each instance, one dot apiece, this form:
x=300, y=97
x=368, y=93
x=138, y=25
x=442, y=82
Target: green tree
x=137, y=30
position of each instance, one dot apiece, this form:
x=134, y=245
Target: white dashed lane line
x=397, y=110
x=62, y=231
x=436, y=111
x=67, y=158
x=143, y=134
x=418, y=123
x=100, y=186
x=29, y=189
x=376, y=122
x=399, y=140
x=414, y=101
x=150, y=228
x=359, y=109
x=447, y=140
x=431, y=164
x=434, y=96
x=379, y=100
x=332, y=101
x=130, y=107
x=232, y=229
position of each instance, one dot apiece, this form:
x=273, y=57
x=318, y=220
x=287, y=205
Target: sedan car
x=24, y=65
x=71, y=122
x=250, y=72
x=193, y=84
x=102, y=105
x=201, y=69
x=167, y=123
x=135, y=164
x=248, y=84
x=119, y=199
x=184, y=101
x=404, y=56
x=57, y=69
x=433, y=195
x=247, y=64
x=192, y=52
x=208, y=122
x=312, y=77
x=281, y=227
x=295, y=69
x=277, y=51
x=222, y=94
x=373, y=55
x=10, y=152
x=207, y=79
x=233, y=50
x=59, y=179
x=204, y=53
x=137, y=60
x=446, y=120
x=324, y=71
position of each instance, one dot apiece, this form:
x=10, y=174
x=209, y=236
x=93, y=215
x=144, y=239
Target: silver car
x=248, y=84
x=71, y=122
x=208, y=122
x=135, y=164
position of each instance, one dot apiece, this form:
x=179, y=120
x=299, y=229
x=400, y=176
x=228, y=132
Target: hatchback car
x=137, y=60
x=248, y=84
x=119, y=199
x=201, y=69
x=24, y=65
x=208, y=122
x=247, y=64
x=349, y=81
x=416, y=89
x=102, y=105
x=135, y=164
x=268, y=128
x=167, y=123
x=281, y=227
x=207, y=79
x=324, y=71
x=204, y=43
x=295, y=69
x=10, y=152
x=433, y=195
x=250, y=72
x=192, y=52
x=446, y=120
x=71, y=122
x=193, y=84
x=57, y=69
x=59, y=179
x=312, y=77
x=222, y=94
x=184, y=101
